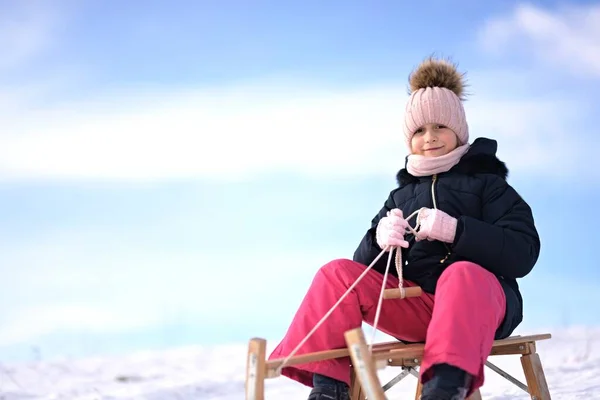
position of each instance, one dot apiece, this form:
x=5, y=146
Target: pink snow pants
x=457, y=324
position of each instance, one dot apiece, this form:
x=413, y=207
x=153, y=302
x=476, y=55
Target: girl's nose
x=429, y=136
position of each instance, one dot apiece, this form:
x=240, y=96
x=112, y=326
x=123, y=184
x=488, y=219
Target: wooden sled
x=365, y=382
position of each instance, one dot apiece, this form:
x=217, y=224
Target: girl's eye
x=440, y=127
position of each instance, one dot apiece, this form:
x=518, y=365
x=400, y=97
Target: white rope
x=380, y=301
x=398, y=262
x=293, y=352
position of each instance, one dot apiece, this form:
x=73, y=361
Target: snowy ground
x=571, y=360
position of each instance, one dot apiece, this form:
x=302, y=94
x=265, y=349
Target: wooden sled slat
x=255, y=369
x=396, y=293
x=395, y=349
x=364, y=365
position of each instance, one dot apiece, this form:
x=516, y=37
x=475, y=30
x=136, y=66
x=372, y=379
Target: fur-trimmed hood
x=481, y=158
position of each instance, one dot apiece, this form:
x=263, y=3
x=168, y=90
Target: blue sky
x=174, y=175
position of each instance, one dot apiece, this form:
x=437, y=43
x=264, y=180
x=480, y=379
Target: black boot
x=447, y=383
x=326, y=388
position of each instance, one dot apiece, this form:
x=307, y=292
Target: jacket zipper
x=433, y=181
x=433, y=190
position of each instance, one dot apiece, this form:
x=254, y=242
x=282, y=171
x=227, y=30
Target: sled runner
x=365, y=363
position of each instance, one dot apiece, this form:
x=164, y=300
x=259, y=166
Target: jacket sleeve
x=505, y=241
x=368, y=249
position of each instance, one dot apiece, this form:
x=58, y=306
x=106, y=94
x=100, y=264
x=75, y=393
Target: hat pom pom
x=438, y=73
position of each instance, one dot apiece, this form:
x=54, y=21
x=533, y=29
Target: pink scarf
x=424, y=166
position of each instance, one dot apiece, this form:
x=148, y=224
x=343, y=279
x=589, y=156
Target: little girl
x=476, y=236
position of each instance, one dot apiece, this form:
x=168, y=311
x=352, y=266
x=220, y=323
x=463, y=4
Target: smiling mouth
x=433, y=148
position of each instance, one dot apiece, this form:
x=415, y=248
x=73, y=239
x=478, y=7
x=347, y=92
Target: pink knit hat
x=436, y=97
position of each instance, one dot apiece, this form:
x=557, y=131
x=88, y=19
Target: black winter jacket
x=495, y=227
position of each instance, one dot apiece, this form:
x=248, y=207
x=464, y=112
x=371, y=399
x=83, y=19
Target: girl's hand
x=436, y=225
x=391, y=230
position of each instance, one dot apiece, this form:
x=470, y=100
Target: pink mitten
x=436, y=225
x=391, y=230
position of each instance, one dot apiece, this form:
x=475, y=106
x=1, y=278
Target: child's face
x=433, y=140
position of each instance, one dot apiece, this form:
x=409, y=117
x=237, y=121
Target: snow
x=571, y=360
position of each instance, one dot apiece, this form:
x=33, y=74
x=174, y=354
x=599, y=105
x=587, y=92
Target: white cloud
x=535, y=136
x=568, y=37
x=202, y=133
x=235, y=132
x=240, y=131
